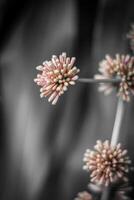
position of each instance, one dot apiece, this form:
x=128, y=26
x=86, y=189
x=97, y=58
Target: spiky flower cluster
x=56, y=76
x=106, y=163
x=121, y=67
x=84, y=196
x=130, y=35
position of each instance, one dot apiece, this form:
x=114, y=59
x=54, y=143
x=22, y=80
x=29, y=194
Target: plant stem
x=106, y=195
x=118, y=121
x=92, y=80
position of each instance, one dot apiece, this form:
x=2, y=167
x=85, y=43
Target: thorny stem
x=92, y=80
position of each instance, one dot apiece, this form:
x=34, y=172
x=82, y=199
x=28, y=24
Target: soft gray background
x=42, y=145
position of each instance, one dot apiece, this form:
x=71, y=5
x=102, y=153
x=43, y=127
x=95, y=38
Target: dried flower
x=121, y=67
x=130, y=36
x=57, y=74
x=107, y=164
x=84, y=196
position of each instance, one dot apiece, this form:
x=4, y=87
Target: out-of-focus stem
x=106, y=195
x=92, y=80
x=118, y=121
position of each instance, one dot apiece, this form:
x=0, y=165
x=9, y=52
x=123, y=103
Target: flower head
x=121, y=67
x=56, y=76
x=130, y=36
x=107, y=164
x=84, y=196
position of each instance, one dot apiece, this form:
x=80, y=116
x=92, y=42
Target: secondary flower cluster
x=107, y=164
x=84, y=196
x=121, y=67
x=56, y=76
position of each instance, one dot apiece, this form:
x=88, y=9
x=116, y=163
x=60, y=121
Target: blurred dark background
x=42, y=146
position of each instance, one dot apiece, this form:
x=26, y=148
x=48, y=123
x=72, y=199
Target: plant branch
x=118, y=121
x=106, y=195
x=92, y=80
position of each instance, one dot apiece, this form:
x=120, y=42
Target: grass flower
x=121, y=67
x=107, y=164
x=84, y=196
x=56, y=76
